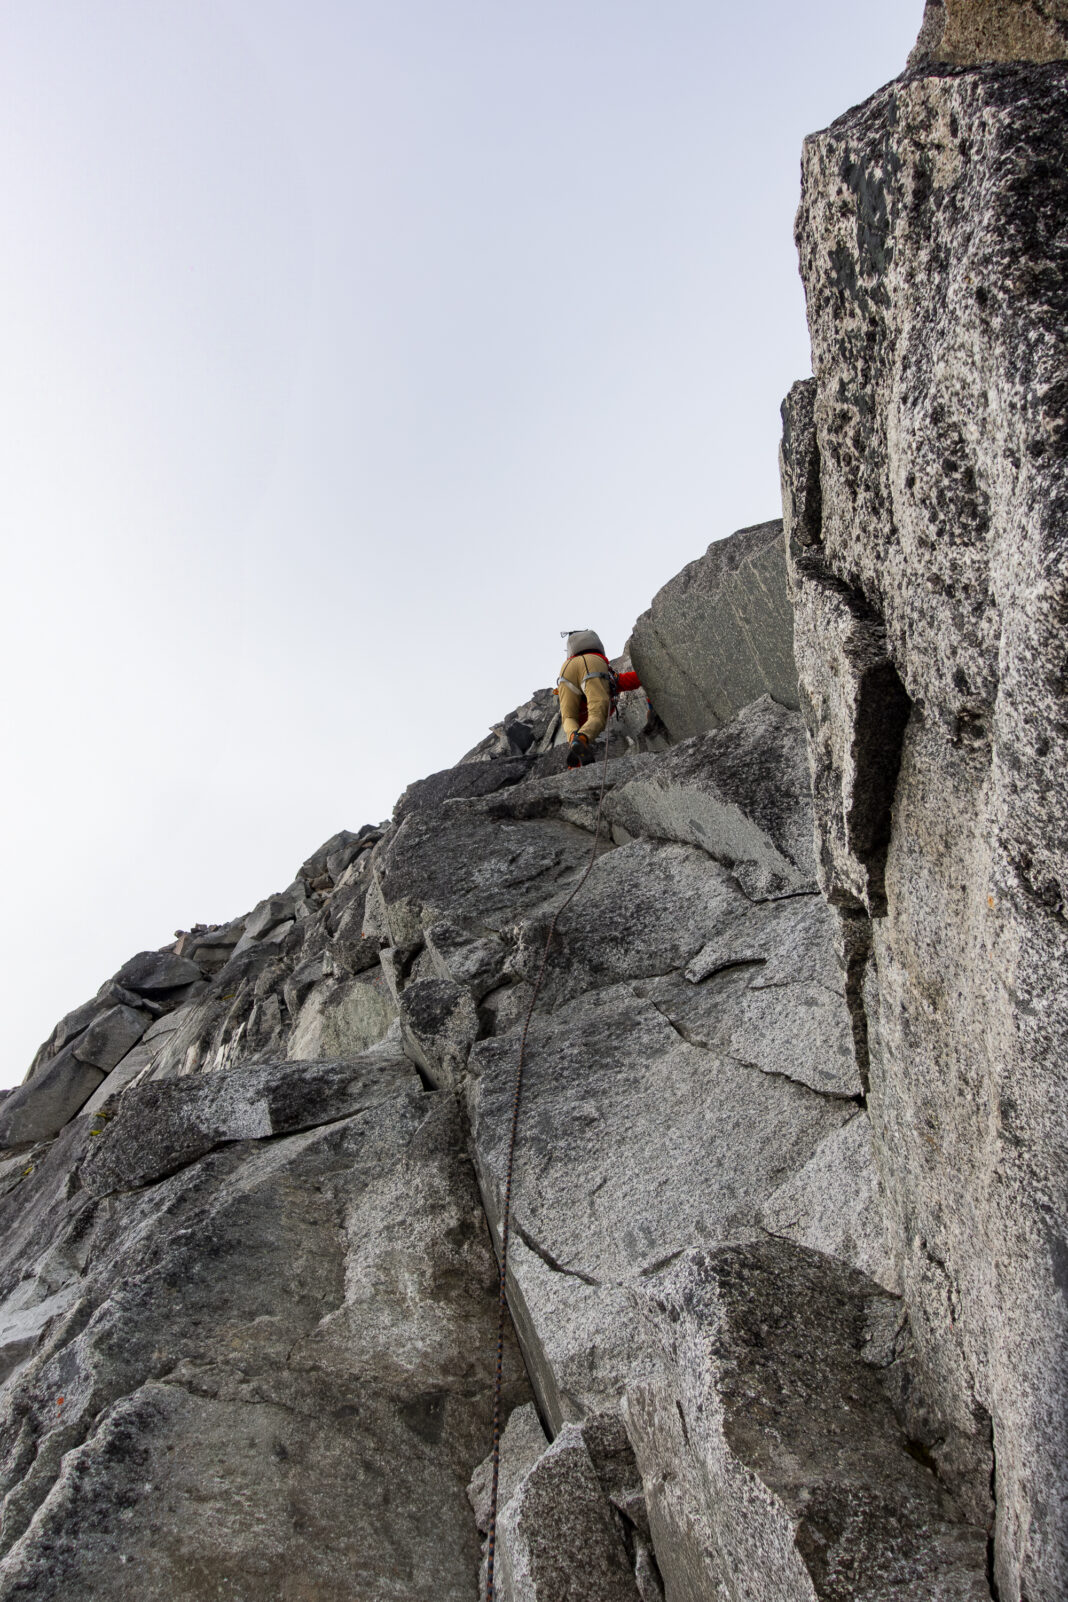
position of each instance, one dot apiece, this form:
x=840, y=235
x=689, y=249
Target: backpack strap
x=580, y=689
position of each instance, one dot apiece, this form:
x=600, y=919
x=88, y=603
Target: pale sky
x=350, y=352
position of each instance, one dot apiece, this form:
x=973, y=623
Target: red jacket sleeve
x=629, y=681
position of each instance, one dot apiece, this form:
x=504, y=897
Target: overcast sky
x=350, y=352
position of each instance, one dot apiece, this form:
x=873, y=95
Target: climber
x=587, y=688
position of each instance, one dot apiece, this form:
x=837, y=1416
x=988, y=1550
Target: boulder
x=719, y=635
x=439, y=1025
x=185, y=1418
x=156, y=973
x=117, y=995
x=457, y=862
x=768, y=1443
x=269, y=916
x=211, y=955
x=163, y=1127
x=335, y=854
x=467, y=779
x=341, y=1018
x=558, y=1536
x=966, y=32
x=67, y=1030
x=742, y=793
x=111, y=1036
x=210, y=945
x=465, y=956
x=39, y=1108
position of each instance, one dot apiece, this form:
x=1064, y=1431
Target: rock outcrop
x=966, y=33
x=925, y=497
x=250, y=1291
x=719, y=635
x=772, y=1359
x=265, y=1308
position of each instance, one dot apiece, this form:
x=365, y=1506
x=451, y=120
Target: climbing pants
x=593, y=699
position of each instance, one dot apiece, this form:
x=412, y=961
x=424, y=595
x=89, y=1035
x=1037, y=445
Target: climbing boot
x=578, y=752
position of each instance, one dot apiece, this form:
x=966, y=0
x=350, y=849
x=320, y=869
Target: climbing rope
x=506, y=1215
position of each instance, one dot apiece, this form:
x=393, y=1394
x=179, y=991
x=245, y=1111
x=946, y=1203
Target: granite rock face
x=623, y=1117
x=968, y=32
x=260, y=1262
x=743, y=790
x=274, y=1362
x=926, y=505
x=39, y=1109
x=558, y=1535
x=768, y=1406
x=719, y=635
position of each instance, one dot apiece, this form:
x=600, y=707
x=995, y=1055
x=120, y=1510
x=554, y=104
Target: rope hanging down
x=506, y=1213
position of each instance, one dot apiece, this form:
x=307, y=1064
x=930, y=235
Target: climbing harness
x=563, y=683
x=610, y=677
x=502, y=1298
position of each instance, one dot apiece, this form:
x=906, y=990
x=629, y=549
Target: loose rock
x=719, y=635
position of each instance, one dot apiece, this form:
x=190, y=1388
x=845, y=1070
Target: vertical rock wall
x=926, y=509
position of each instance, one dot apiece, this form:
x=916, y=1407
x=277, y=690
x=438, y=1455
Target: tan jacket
x=585, y=699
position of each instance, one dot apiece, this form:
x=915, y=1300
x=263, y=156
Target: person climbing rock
x=587, y=688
